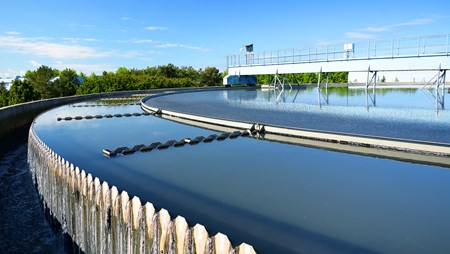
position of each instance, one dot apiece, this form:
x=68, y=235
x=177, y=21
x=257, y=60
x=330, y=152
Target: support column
x=318, y=80
x=438, y=79
x=443, y=79
x=368, y=75
x=374, y=81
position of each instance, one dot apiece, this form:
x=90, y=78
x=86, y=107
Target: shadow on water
x=23, y=226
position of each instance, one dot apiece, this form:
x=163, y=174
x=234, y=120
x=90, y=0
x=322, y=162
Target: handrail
x=420, y=46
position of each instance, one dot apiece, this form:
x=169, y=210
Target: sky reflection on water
x=297, y=197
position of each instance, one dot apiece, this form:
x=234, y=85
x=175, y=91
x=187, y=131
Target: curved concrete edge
x=411, y=146
x=21, y=115
x=378, y=142
x=422, y=158
x=99, y=219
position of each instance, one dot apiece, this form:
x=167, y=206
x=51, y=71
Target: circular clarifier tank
x=277, y=197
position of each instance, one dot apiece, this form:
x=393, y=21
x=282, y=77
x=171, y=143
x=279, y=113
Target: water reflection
x=398, y=113
x=297, y=199
x=405, y=97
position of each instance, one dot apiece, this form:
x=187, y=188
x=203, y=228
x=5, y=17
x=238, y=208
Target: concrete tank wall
x=21, y=115
x=99, y=219
x=96, y=217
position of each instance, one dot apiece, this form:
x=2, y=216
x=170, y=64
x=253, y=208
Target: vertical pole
x=309, y=54
x=293, y=55
x=318, y=98
x=392, y=49
x=437, y=96
x=438, y=77
x=326, y=89
x=443, y=79
x=264, y=57
x=334, y=51
x=443, y=89
x=374, y=92
x=278, y=56
x=418, y=46
x=374, y=82
x=318, y=80
x=367, y=101
x=367, y=80
x=398, y=47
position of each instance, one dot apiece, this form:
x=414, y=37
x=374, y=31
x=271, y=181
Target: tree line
x=304, y=78
x=45, y=82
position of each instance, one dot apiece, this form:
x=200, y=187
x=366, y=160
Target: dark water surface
x=277, y=197
x=23, y=227
x=413, y=114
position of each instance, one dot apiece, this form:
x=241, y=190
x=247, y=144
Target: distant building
x=8, y=81
x=78, y=78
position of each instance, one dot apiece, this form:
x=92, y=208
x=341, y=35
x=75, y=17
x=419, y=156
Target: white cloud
x=12, y=33
x=125, y=18
x=90, y=27
x=372, y=31
x=130, y=54
x=414, y=22
x=147, y=59
x=41, y=47
x=144, y=41
x=359, y=35
x=152, y=28
x=77, y=40
x=35, y=64
x=76, y=25
x=10, y=73
x=176, y=45
x=152, y=52
x=85, y=68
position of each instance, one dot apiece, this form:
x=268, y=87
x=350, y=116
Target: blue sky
x=93, y=36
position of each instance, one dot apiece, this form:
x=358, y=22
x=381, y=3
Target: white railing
x=436, y=45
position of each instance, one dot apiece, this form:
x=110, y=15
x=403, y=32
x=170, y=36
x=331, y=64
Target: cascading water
x=23, y=228
x=100, y=220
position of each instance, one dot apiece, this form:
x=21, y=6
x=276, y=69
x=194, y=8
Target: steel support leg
x=318, y=80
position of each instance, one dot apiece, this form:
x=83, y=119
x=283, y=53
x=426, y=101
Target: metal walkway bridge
x=424, y=53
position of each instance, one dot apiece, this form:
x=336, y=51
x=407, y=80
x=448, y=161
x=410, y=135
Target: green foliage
x=40, y=80
x=305, y=78
x=168, y=71
x=4, y=94
x=66, y=85
x=163, y=76
x=225, y=73
x=210, y=76
x=46, y=82
x=21, y=91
